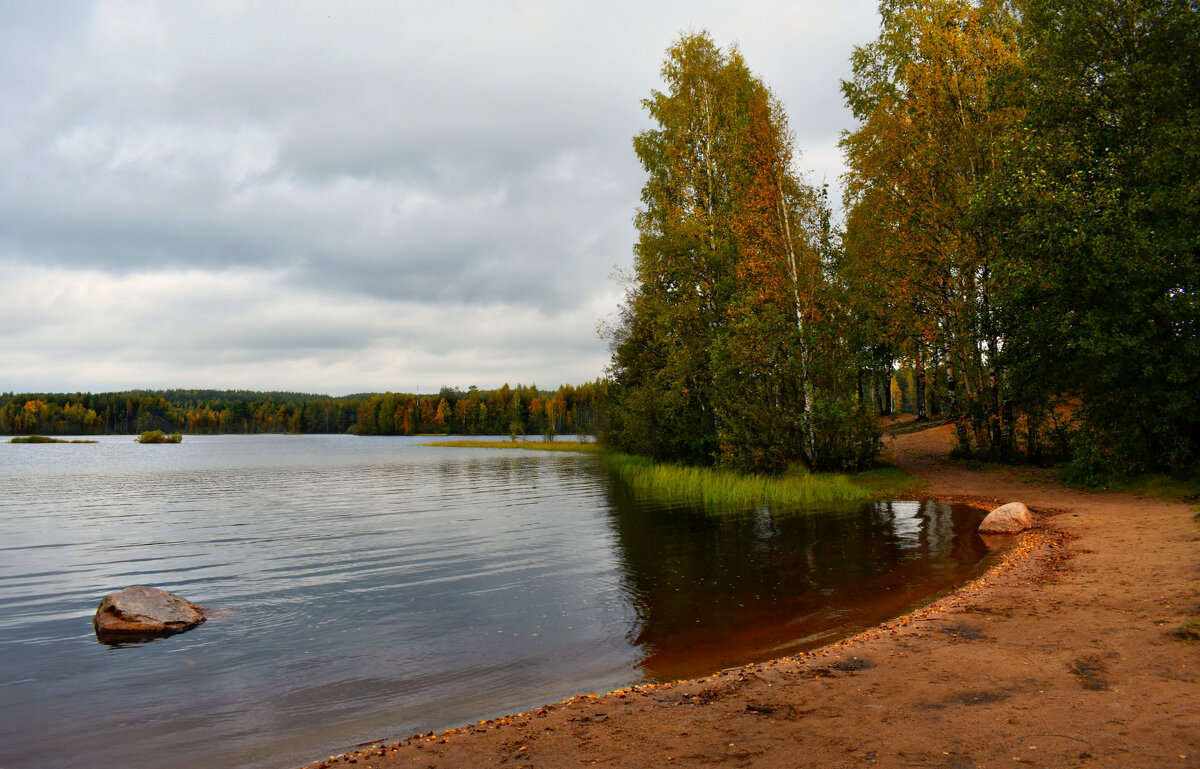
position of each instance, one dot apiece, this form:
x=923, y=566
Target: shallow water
x=372, y=588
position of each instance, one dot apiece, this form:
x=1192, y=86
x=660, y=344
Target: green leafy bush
x=158, y=436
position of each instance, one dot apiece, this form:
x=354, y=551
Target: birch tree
x=926, y=95
x=715, y=357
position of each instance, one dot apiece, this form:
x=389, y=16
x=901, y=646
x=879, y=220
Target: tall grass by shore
x=727, y=488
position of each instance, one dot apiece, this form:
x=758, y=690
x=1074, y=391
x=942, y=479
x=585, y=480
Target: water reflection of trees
x=711, y=591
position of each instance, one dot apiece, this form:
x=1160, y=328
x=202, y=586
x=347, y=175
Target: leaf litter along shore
x=1067, y=653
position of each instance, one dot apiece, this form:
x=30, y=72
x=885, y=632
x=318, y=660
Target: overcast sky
x=351, y=196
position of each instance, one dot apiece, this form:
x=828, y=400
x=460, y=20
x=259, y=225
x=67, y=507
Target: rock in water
x=1007, y=519
x=146, y=612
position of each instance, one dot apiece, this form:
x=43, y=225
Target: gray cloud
x=330, y=187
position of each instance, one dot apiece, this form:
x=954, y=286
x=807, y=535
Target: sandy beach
x=1067, y=654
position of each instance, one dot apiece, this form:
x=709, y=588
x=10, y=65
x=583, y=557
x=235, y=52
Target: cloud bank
x=346, y=197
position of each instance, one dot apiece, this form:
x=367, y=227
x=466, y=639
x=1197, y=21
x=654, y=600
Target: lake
x=371, y=588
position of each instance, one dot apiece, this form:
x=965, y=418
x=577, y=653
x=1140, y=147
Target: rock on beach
x=1007, y=519
x=146, y=611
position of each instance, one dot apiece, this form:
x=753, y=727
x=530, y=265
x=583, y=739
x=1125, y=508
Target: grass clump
x=579, y=447
x=715, y=488
x=1155, y=485
x=1184, y=486
x=43, y=439
x=158, y=436
x=728, y=488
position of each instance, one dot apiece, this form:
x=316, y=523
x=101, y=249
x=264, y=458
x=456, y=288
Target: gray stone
x=1007, y=519
x=145, y=611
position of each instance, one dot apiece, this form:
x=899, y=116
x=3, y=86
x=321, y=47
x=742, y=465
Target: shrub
x=158, y=436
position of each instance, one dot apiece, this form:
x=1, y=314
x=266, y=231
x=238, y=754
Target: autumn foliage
x=730, y=346
x=1019, y=251
x=527, y=409
x=1022, y=223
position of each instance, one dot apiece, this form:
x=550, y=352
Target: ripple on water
x=365, y=588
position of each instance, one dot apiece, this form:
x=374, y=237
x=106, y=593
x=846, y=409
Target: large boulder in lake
x=145, y=612
x=1007, y=519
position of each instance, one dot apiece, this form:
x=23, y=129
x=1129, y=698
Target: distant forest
x=508, y=410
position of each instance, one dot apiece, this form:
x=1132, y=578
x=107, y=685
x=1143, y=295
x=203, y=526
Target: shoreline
x=1036, y=662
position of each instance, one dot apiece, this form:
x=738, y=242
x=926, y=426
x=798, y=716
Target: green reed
x=719, y=488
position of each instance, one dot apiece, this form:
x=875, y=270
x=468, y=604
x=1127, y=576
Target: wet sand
x=1067, y=654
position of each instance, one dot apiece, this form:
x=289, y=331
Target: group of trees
x=1021, y=235
x=933, y=98
x=1024, y=215
x=731, y=346
x=1099, y=202
x=508, y=410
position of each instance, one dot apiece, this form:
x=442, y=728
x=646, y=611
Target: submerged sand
x=1067, y=654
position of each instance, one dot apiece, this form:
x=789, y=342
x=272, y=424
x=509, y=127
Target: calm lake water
x=372, y=588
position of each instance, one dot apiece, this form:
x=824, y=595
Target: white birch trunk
x=810, y=441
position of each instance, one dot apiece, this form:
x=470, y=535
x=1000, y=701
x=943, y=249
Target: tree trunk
x=919, y=382
x=886, y=381
x=935, y=405
x=953, y=406
x=810, y=437
x=996, y=418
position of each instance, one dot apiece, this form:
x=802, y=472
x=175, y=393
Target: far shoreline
x=578, y=447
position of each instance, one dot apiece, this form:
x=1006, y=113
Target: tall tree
x=1100, y=208
x=674, y=309
x=714, y=358
x=920, y=264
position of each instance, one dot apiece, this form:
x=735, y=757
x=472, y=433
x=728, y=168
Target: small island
x=158, y=436
x=44, y=439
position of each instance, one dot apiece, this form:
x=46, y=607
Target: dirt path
x=1064, y=656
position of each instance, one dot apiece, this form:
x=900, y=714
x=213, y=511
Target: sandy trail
x=1066, y=655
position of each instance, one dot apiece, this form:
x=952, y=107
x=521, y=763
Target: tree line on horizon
x=1020, y=243
x=519, y=410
